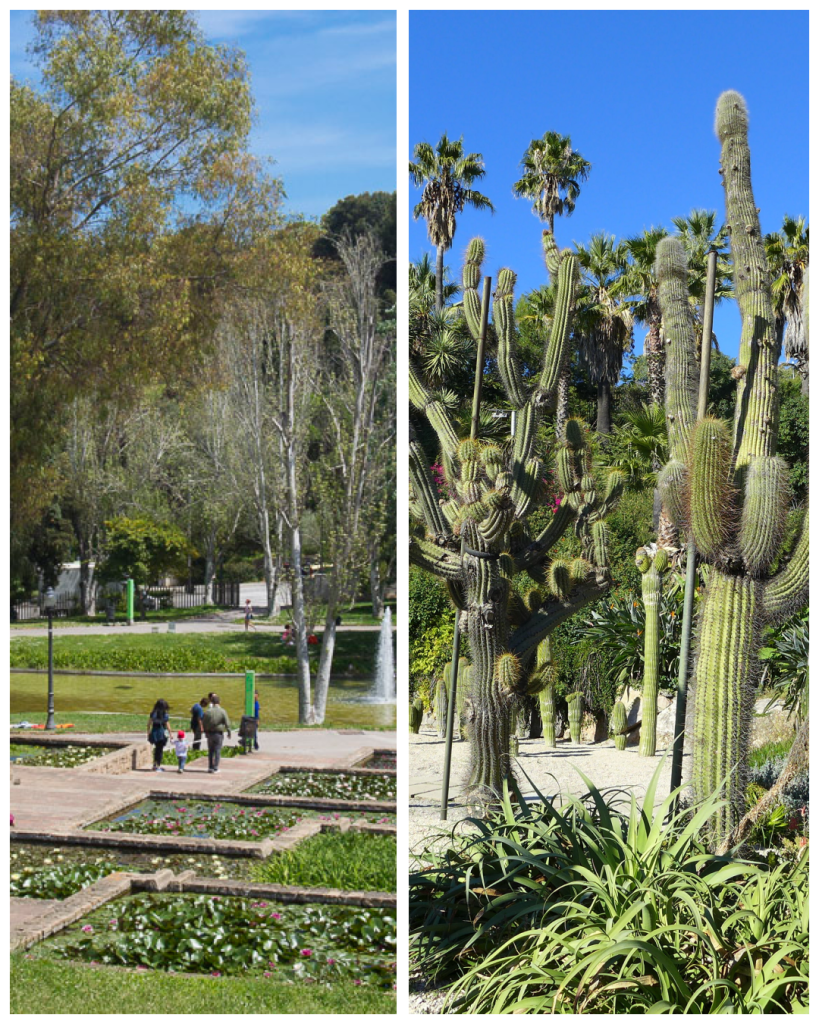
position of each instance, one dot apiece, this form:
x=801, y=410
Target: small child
x=181, y=747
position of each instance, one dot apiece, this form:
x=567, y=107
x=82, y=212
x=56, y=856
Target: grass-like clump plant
x=592, y=906
x=334, y=860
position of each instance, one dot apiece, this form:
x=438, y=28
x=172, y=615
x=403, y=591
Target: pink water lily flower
x=307, y=952
x=87, y=928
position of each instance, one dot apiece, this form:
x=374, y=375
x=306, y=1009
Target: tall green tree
x=446, y=175
x=552, y=172
x=788, y=256
x=604, y=322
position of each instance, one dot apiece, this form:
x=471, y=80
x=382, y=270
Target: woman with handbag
x=158, y=734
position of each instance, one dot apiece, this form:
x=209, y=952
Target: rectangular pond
x=232, y=935
x=47, y=756
x=328, y=785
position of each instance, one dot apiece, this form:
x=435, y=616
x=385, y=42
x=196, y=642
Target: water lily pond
x=215, y=820
x=233, y=935
x=54, y=757
x=346, y=701
x=381, y=759
x=329, y=785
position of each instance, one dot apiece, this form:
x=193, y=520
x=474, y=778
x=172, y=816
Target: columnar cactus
x=496, y=488
x=575, y=702
x=545, y=677
x=619, y=723
x=416, y=715
x=730, y=491
x=652, y=567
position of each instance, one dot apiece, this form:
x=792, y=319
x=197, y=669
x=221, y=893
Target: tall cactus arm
x=539, y=549
x=757, y=407
x=557, y=351
x=426, y=494
x=435, y=559
x=435, y=412
x=553, y=612
x=503, y=318
x=682, y=372
x=475, y=252
x=786, y=592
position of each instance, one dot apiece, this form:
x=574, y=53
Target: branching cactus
x=729, y=488
x=441, y=703
x=575, y=702
x=619, y=724
x=496, y=488
x=652, y=565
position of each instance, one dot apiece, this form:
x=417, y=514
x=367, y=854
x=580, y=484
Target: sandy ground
x=551, y=771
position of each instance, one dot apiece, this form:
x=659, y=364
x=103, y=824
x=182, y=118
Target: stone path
x=60, y=799
x=551, y=771
x=209, y=625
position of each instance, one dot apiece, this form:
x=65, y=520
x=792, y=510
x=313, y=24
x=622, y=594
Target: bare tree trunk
x=328, y=644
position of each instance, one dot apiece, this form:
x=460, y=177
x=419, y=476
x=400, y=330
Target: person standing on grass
x=249, y=616
x=216, y=723
x=158, y=732
x=197, y=714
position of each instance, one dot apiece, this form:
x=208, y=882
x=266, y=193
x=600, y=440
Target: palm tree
x=788, y=257
x=446, y=174
x=603, y=321
x=641, y=283
x=551, y=173
x=699, y=235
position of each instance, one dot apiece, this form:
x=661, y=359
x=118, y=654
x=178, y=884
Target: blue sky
x=636, y=91
x=325, y=91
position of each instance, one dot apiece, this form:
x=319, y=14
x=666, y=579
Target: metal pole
x=456, y=639
x=691, y=549
x=50, y=719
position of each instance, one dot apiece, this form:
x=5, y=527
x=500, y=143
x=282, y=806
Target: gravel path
x=551, y=771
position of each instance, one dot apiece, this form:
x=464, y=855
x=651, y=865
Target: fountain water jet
x=383, y=688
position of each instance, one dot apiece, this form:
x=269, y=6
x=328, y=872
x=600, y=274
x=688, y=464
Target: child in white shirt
x=181, y=747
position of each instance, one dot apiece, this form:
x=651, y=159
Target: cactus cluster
x=652, y=565
x=619, y=722
x=495, y=488
x=728, y=488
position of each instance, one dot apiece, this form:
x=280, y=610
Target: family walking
x=208, y=717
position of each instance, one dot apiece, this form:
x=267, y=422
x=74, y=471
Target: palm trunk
x=655, y=357
x=603, y=407
x=439, y=279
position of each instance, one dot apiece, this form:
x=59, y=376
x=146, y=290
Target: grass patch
x=187, y=652
x=160, y=615
x=767, y=752
x=76, y=988
x=334, y=860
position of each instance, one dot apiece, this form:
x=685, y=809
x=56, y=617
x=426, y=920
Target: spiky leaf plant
x=729, y=489
x=497, y=488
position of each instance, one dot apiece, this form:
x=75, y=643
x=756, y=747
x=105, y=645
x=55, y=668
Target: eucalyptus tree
x=446, y=173
x=788, y=256
x=603, y=322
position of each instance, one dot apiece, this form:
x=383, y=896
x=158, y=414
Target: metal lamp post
x=49, y=600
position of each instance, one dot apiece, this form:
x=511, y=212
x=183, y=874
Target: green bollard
x=250, y=689
x=130, y=602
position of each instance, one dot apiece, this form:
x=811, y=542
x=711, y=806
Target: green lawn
x=337, y=860
x=41, y=986
x=360, y=615
x=188, y=652
x=202, y=611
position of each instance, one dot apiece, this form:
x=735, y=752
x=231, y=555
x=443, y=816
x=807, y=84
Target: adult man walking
x=216, y=723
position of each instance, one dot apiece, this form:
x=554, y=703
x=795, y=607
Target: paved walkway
x=58, y=799
x=210, y=625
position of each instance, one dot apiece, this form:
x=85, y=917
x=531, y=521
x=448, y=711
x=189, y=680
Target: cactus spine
x=575, y=702
x=619, y=721
x=730, y=496
x=651, y=569
x=441, y=702
x=497, y=488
